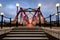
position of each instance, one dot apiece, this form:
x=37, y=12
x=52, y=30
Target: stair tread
x=30, y=30
x=25, y=38
x=27, y=32
x=26, y=35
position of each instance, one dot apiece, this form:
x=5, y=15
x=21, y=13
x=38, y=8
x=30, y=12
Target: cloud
x=10, y=6
x=48, y=6
x=48, y=9
x=10, y=10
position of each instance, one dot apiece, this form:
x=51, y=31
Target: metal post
x=10, y=22
x=1, y=21
x=39, y=17
x=39, y=20
x=57, y=17
x=56, y=21
x=4, y=23
x=50, y=21
x=17, y=18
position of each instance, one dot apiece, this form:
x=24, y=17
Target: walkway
x=27, y=34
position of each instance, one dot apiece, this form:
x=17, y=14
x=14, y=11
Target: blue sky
x=9, y=8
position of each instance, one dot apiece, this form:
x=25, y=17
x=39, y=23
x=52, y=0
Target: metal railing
x=3, y=20
x=50, y=20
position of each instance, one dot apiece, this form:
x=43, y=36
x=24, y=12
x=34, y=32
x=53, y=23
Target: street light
x=17, y=5
x=39, y=6
x=57, y=5
x=2, y=14
x=57, y=16
x=0, y=5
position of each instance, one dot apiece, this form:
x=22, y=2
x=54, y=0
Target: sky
x=9, y=6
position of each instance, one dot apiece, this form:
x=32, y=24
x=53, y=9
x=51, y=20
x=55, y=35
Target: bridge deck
x=28, y=34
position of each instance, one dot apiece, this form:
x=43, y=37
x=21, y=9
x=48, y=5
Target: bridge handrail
x=53, y=32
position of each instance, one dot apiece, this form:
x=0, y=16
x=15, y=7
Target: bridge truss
x=30, y=16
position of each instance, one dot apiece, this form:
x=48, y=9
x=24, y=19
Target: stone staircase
x=26, y=34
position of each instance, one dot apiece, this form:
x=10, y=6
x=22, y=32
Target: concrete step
x=27, y=28
x=27, y=32
x=25, y=35
x=25, y=38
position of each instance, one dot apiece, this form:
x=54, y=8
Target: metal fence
x=5, y=21
x=8, y=22
x=52, y=20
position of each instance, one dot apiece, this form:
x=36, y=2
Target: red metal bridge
x=30, y=16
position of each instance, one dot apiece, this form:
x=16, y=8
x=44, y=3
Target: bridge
x=29, y=30
x=29, y=16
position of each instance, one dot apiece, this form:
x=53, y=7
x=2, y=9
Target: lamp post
x=10, y=22
x=4, y=22
x=17, y=5
x=57, y=16
x=39, y=6
x=2, y=14
x=50, y=21
x=56, y=19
